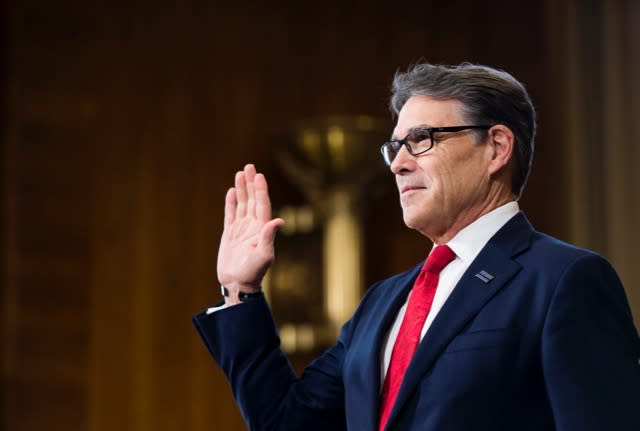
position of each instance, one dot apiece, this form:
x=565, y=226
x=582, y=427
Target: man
x=502, y=328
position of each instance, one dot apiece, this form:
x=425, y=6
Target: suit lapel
x=469, y=296
x=382, y=319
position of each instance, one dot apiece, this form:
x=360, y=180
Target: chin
x=411, y=222
x=417, y=220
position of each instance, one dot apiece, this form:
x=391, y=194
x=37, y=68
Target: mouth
x=408, y=189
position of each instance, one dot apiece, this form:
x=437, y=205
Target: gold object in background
x=332, y=162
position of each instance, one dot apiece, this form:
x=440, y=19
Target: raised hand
x=246, y=248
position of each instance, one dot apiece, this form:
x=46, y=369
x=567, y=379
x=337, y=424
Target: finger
x=241, y=195
x=249, y=176
x=263, y=202
x=269, y=231
x=230, y=205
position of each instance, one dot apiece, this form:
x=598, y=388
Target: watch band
x=243, y=296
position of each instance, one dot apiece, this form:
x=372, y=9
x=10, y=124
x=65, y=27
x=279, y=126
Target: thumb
x=269, y=231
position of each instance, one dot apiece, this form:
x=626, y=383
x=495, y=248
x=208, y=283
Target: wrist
x=237, y=296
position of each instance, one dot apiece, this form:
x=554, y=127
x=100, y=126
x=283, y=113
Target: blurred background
x=123, y=124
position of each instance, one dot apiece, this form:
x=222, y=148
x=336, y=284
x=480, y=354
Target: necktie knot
x=440, y=257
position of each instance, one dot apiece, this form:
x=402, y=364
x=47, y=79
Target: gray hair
x=487, y=95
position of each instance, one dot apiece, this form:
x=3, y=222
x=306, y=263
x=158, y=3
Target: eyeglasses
x=419, y=140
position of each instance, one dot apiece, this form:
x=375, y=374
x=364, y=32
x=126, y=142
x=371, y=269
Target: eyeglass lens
x=418, y=140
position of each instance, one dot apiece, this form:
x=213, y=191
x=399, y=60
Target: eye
x=419, y=137
x=419, y=140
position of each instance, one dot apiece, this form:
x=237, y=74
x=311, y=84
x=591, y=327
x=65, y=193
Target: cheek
x=446, y=182
x=468, y=176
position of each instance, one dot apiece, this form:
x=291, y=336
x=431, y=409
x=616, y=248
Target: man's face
x=446, y=188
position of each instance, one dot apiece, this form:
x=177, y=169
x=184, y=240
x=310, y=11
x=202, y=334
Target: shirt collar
x=469, y=241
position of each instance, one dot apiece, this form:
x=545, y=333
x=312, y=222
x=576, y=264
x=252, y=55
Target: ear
x=501, y=142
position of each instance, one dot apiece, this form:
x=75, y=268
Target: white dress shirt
x=466, y=245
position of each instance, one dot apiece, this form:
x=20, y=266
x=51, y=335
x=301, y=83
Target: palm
x=246, y=248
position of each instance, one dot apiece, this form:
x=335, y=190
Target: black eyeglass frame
x=430, y=131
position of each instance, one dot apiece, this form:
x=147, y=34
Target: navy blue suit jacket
x=548, y=343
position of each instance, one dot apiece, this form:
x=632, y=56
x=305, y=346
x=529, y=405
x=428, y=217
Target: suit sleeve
x=243, y=340
x=591, y=351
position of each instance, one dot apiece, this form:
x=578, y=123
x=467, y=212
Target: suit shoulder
x=553, y=260
x=550, y=249
x=522, y=241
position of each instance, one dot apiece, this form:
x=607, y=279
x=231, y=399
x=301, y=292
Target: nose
x=404, y=162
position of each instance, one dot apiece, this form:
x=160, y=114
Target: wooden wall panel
x=49, y=273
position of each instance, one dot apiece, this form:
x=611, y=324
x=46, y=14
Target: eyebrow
x=411, y=130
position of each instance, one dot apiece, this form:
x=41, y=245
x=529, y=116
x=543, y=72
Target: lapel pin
x=484, y=276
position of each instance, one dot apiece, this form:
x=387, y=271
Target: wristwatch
x=243, y=296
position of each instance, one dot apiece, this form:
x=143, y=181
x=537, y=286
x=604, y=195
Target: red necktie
x=417, y=310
